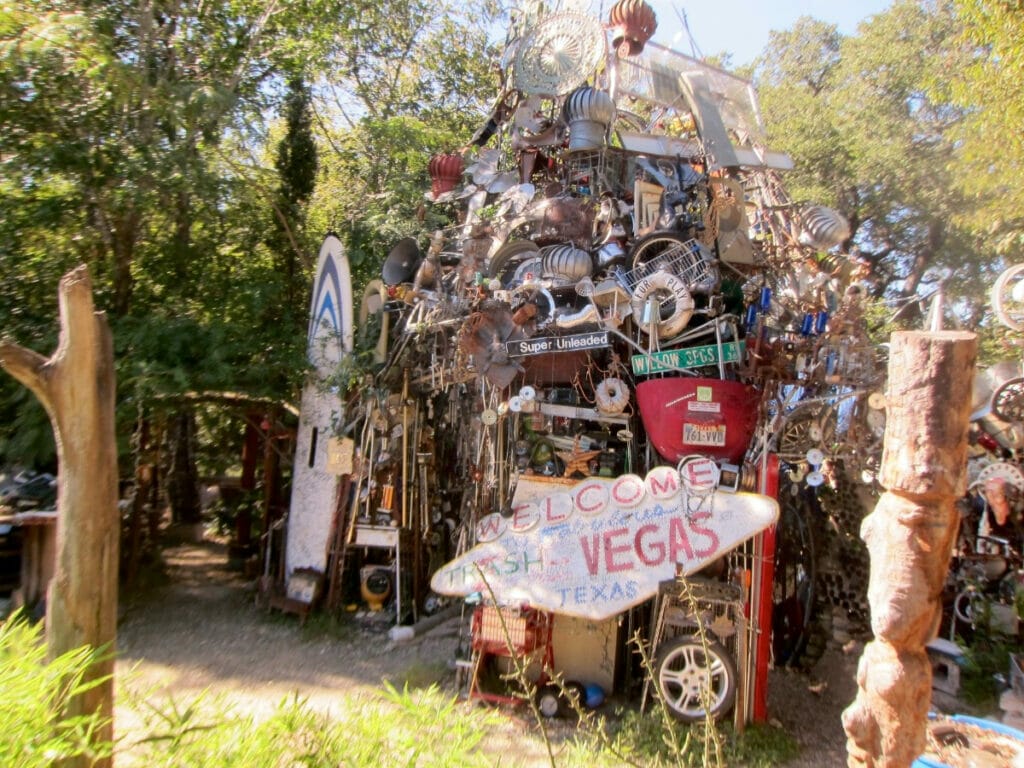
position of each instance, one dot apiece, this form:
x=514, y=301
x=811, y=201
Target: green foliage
x=989, y=84
x=872, y=137
x=395, y=726
x=760, y=746
x=296, y=164
x=400, y=91
x=392, y=727
x=176, y=151
x=985, y=656
x=629, y=737
x=36, y=693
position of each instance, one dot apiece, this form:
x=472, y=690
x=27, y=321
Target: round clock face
x=489, y=417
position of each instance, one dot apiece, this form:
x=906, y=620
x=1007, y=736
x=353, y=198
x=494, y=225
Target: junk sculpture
x=613, y=295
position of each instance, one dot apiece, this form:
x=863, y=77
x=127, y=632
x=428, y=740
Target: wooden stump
x=76, y=386
x=910, y=536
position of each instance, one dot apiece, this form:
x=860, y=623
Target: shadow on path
x=201, y=629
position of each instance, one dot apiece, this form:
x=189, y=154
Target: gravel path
x=201, y=631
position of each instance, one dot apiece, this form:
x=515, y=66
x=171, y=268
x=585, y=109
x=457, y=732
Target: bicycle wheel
x=793, y=591
x=805, y=428
x=1008, y=401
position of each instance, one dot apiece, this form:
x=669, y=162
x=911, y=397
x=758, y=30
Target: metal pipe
x=365, y=446
x=405, y=447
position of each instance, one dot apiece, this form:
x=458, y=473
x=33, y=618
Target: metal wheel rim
x=1008, y=401
x=685, y=674
x=1009, y=312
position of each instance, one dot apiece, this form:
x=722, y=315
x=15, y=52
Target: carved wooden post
x=76, y=386
x=910, y=537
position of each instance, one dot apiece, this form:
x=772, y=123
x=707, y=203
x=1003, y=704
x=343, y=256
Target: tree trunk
x=910, y=538
x=182, y=475
x=77, y=388
x=125, y=236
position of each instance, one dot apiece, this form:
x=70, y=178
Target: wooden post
x=76, y=386
x=910, y=537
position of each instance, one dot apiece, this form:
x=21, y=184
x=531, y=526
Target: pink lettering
x=612, y=551
x=699, y=473
x=490, y=527
x=557, y=508
x=628, y=490
x=649, y=552
x=591, y=552
x=710, y=535
x=663, y=482
x=678, y=541
x=524, y=517
x=592, y=498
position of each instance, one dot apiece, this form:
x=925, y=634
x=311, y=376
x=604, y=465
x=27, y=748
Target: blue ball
x=595, y=696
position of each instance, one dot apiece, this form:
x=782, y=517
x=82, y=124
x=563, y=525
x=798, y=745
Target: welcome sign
x=600, y=546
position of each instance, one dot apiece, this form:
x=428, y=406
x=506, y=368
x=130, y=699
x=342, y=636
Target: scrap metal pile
x=986, y=578
x=623, y=238
x=625, y=287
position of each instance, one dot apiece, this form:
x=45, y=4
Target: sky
x=741, y=27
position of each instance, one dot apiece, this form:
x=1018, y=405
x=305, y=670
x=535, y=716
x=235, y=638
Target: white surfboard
x=329, y=339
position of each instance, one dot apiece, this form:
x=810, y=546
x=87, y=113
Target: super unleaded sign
x=578, y=342
x=601, y=546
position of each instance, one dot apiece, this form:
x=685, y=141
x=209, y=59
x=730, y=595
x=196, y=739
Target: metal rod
x=405, y=447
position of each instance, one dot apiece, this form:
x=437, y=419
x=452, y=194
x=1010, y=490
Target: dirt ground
x=201, y=631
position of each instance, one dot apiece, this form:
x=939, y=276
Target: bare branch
x=28, y=367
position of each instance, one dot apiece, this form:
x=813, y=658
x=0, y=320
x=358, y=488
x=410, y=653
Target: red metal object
x=634, y=23
x=686, y=416
x=769, y=486
x=445, y=171
x=510, y=632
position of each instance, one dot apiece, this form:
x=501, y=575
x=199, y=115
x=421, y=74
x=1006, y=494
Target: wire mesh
x=593, y=174
x=688, y=260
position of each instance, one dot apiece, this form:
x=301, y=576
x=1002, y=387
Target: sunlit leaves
x=870, y=138
x=990, y=85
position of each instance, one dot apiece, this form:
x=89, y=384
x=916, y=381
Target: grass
x=393, y=727
x=425, y=728
x=34, y=694
x=411, y=723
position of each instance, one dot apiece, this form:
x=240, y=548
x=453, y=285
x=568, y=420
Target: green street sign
x=691, y=357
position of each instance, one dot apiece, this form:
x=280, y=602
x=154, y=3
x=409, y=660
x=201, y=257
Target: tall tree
x=413, y=79
x=139, y=138
x=296, y=165
x=870, y=138
x=117, y=117
x=990, y=87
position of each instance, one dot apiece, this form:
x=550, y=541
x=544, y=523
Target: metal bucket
x=686, y=416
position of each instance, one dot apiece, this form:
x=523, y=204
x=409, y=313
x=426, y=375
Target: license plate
x=704, y=434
